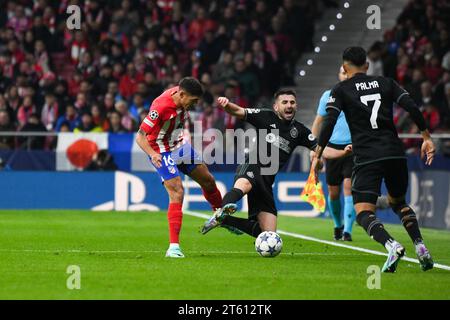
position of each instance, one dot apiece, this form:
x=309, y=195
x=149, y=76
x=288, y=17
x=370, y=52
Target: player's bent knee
x=244, y=185
x=267, y=221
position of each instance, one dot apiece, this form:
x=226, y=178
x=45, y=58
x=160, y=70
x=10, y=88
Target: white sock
x=174, y=246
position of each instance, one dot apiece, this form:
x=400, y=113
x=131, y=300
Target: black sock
x=232, y=196
x=373, y=227
x=250, y=227
x=409, y=221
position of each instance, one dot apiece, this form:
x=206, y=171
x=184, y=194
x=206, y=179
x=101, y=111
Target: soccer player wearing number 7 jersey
x=367, y=102
x=161, y=137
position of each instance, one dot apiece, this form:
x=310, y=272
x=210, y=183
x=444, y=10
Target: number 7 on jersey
x=376, y=106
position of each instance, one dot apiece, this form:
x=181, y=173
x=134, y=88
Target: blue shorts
x=183, y=159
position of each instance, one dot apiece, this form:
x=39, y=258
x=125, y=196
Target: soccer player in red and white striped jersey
x=161, y=137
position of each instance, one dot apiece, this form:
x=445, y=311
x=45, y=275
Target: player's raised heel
x=174, y=253
x=426, y=262
x=395, y=254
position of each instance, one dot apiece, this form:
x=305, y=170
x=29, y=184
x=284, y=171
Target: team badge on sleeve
x=294, y=133
x=154, y=115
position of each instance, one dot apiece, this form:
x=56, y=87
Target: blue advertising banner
x=428, y=195
x=123, y=191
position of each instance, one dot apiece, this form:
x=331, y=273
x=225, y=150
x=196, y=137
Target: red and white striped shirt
x=164, y=123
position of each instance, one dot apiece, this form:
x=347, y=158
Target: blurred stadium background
x=71, y=100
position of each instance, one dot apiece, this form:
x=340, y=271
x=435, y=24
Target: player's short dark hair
x=192, y=86
x=284, y=91
x=355, y=55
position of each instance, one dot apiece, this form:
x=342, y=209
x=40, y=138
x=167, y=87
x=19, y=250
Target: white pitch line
x=331, y=243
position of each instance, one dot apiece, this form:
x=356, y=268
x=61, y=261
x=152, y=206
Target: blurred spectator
x=426, y=92
x=50, y=111
x=65, y=127
x=224, y=69
x=127, y=119
x=69, y=119
x=138, y=106
x=78, y=46
x=18, y=21
x=101, y=82
x=431, y=115
x=374, y=59
x=129, y=81
x=6, y=125
x=87, y=124
x=115, y=124
x=33, y=124
x=25, y=111
x=247, y=80
x=98, y=117
x=81, y=103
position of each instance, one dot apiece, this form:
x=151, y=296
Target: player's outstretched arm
x=317, y=125
x=406, y=102
x=332, y=153
x=231, y=108
x=142, y=142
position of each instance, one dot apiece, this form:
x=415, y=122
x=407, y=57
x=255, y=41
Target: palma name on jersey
x=367, y=85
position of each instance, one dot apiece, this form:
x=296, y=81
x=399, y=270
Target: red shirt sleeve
x=153, y=120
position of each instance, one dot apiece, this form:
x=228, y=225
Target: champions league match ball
x=268, y=244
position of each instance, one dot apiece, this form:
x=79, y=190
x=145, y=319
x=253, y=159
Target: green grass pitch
x=121, y=256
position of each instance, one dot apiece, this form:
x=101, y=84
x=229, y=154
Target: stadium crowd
x=416, y=52
x=103, y=77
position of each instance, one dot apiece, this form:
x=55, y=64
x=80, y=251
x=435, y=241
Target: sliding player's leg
x=241, y=187
x=262, y=213
x=267, y=221
x=396, y=179
x=365, y=189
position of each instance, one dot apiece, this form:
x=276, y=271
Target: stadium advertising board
x=98, y=191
